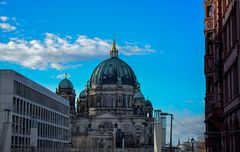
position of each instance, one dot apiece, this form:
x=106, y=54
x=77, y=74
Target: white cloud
x=57, y=66
x=186, y=126
x=63, y=75
x=3, y=18
x=59, y=53
x=7, y=27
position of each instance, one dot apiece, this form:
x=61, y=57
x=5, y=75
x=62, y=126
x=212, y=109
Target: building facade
x=32, y=118
x=112, y=113
x=159, y=131
x=222, y=71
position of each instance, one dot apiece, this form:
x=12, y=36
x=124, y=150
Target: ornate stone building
x=66, y=90
x=112, y=113
x=222, y=71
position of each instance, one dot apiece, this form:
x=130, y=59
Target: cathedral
x=111, y=113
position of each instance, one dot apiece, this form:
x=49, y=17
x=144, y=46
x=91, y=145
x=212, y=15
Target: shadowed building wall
x=222, y=71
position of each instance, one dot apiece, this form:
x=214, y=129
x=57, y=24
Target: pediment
x=106, y=115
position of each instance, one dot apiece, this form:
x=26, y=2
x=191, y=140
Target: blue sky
x=161, y=40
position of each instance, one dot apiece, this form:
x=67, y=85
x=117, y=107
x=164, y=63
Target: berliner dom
x=111, y=112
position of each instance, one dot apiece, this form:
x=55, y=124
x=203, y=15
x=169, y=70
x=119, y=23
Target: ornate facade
x=222, y=71
x=66, y=90
x=112, y=113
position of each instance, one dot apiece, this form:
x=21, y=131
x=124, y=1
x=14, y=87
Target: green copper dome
x=148, y=103
x=65, y=84
x=113, y=71
x=83, y=94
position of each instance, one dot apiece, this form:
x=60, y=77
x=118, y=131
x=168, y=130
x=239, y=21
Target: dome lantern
x=114, y=51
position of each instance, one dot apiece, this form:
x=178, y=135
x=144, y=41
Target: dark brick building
x=222, y=71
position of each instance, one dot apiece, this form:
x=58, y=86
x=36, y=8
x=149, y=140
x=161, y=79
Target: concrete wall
x=6, y=94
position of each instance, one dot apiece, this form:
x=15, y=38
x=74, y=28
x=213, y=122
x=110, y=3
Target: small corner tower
x=66, y=90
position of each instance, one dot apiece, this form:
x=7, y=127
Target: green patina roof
x=83, y=94
x=148, y=102
x=113, y=71
x=65, y=84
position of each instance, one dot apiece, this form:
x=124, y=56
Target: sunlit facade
x=32, y=117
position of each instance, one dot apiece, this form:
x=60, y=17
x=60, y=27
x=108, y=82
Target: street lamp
x=165, y=114
x=192, y=141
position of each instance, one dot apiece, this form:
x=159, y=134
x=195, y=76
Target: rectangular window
x=31, y=109
x=229, y=37
x=14, y=104
x=24, y=126
x=209, y=43
x=6, y=115
x=209, y=48
x=21, y=107
x=17, y=124
x=234, y=25
x=224, y=43
x=24, y=107
x=209, y=11
x=210, y=85
x=27, y=108
x=225, y=89
x=235, y=79
x=18, y=106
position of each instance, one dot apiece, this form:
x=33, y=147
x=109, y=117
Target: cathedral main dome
x=113, y=71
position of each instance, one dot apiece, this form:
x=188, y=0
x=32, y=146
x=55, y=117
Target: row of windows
x=127, y=128
x=33, y=95
x=20, y=142
x=24, y=108
x=231, y=143
x=51, y=144
x=108, y=101
x=231, y=83
x=230, y=33
x=21, y=125
x=24, y=143
x=49, y=131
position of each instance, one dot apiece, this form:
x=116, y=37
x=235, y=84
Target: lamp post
x=192, y=141
x=171, y=115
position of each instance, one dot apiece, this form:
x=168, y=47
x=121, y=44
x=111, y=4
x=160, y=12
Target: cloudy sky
x=161, y=40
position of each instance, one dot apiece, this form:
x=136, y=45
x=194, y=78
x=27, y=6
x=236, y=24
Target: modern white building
x=31, y=116
x=159, y=131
